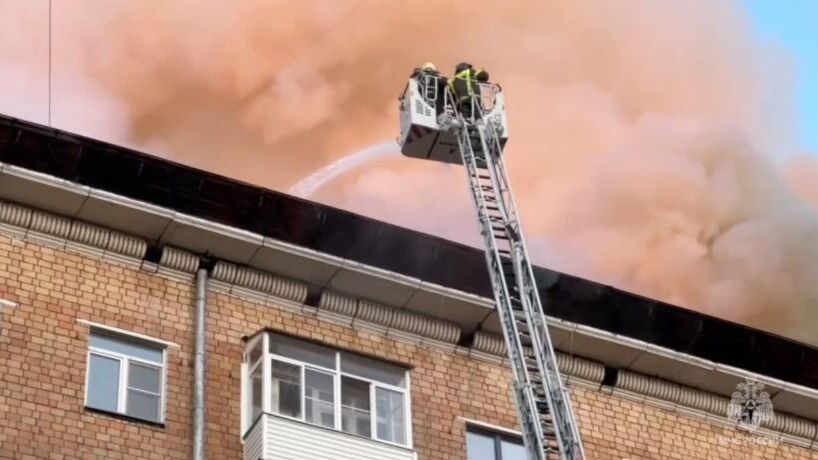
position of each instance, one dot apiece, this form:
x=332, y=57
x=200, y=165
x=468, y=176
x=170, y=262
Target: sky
x=786, y=24
x=793, y=25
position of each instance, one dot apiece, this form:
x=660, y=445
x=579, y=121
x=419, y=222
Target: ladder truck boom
x=434, y=127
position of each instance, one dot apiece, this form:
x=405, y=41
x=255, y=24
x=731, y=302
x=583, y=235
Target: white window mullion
x=373, y=412
x=303, y=393
x=163, y=386
x=87, y=375
x=266, y=378
x=407, y=412
x=337, y=391
x=124, y=367
x=243, y=397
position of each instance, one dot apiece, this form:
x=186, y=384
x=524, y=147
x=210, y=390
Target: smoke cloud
x=650, y=142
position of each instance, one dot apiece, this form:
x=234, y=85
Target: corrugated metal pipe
x=199, y=367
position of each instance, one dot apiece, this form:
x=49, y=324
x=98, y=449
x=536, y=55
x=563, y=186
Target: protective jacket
x=464, y=84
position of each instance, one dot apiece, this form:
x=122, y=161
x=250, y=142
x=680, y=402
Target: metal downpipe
x=199, y=367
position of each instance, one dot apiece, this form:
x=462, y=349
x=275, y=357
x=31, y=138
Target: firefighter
x=426, y=75
x=465, y=88
x=482, y=76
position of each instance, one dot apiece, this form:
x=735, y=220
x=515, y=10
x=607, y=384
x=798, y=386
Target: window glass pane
x=143, y=405
x=319, y=398
x=479, y=447
x=302, y=351
x=103, y=383
x=391, y=416
x=373, y=370
x=286, y=389
x=127, y=347
x=355, y=413
x=255, y=352
x=255, y=398
x=513, y=451
x=145, y=378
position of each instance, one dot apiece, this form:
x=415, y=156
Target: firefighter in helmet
x=465, y=88
x=430, y=84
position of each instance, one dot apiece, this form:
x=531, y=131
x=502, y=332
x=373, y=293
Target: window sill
x=125, y=417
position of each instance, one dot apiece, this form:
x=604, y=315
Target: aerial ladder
x=436, y=127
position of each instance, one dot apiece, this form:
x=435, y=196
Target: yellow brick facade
x=43, y=361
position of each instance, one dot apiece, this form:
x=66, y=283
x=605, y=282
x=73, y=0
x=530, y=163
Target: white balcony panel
x=285, y=439
x=254, y=442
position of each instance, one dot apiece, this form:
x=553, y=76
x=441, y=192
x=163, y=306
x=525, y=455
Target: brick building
x=328, y=335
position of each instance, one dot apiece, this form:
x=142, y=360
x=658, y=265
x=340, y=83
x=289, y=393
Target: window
x=125, y=375
x=482, y=444
x=356, y=416
x=321, y=386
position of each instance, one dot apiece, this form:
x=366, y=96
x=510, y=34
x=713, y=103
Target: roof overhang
x=160, y=225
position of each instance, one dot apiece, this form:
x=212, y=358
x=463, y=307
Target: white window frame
x=267, y=361
x=124, y=369
x=246, y=386
x=497, y=434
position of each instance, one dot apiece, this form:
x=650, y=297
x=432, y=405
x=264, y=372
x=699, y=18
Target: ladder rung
x=532, y=368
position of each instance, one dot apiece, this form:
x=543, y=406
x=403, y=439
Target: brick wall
x=42, y=373
x=43, y=354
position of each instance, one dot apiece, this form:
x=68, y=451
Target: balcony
x=305, y=401
x=273, y=437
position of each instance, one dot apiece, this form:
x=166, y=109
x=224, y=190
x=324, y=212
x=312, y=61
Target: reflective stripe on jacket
x=463, y=84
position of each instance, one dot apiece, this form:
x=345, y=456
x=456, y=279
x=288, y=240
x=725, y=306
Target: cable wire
x=49, y=62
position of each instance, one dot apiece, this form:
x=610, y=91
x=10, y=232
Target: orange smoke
x=638, y=129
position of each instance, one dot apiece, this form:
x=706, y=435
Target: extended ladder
x=548, y=425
